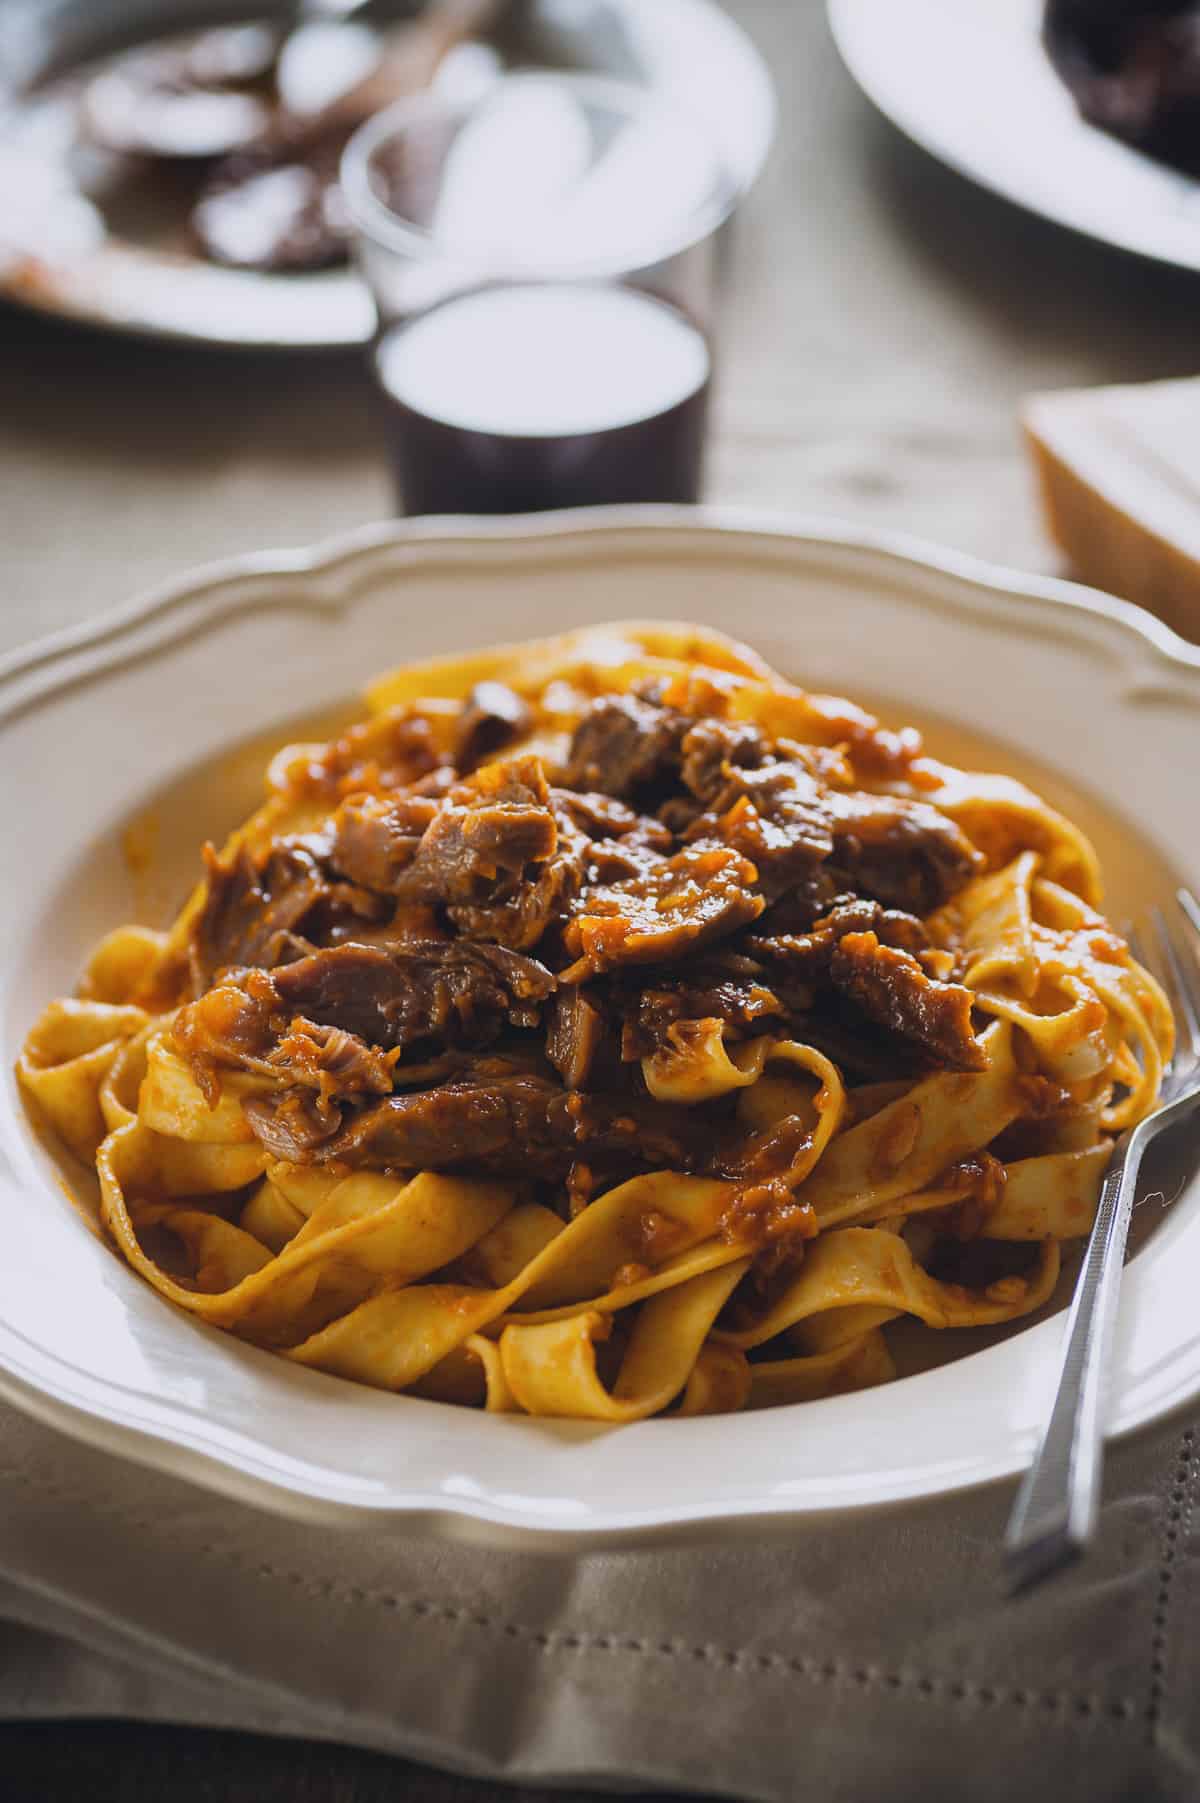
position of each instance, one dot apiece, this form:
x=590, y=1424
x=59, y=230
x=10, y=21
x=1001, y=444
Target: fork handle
x=1054, y=1516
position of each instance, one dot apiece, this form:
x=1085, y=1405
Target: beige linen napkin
x=868, y=1656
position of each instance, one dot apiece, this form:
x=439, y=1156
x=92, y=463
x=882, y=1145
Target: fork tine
x=1183, y=985
x=1190, y=906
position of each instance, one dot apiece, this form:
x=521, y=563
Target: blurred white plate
x=969, y=81
x=90, y=238
x=127, y=743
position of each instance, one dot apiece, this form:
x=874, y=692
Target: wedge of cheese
x=1119, y=472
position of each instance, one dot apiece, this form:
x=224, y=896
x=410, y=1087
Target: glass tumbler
x=542, y=261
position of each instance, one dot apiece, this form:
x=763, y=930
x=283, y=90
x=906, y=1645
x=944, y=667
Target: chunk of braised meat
x=815, y=982
x=620, y=861
x=626, y=746
x=265, y=911
x=777, y=816
x=604, y=817
x=740, y=1000
x=239, y=1025
x=375, y=837
x=492, y=851
x=483, y=836
x=803, y=905
x=492, y=716
x=474, y=855
x=711, y=747
x=806, y=958
x=714, y=757
x=624, y=843
x=575, y=1031
x=635, y=747
x=863, y=1051
x=448, y=991
x=520, y=1125
x=520, y=920
x=891, y=987
x=701, y=894
x=790, y=821
x=904, y=853
x=787, y=797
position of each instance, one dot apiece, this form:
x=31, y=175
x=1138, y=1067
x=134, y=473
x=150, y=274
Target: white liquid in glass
x=545, y=360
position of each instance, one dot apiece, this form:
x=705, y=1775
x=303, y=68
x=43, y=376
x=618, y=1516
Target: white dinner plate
x=102, y=239
x=970, y=81
x=128, y=742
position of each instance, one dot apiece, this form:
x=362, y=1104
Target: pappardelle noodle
x=605, y=1026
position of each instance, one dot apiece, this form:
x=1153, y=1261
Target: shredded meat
x=449, y=991
x=330, y=1059
x=377, y=977
x=263, y=912
x=229, y=1027
x=326, y=1070
x=517, y=1125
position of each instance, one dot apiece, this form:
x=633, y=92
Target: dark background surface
x=121, y=1762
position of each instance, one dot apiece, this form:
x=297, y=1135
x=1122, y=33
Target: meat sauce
x=465, y=965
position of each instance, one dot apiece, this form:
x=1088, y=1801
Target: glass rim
x=373, y=219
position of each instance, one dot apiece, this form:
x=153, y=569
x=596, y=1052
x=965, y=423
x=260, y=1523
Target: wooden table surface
x=883, y=320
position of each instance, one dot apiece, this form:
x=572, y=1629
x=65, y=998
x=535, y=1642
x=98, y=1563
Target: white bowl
x=135, y=729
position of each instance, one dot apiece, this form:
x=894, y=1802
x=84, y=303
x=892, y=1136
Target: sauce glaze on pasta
x=606, y=1026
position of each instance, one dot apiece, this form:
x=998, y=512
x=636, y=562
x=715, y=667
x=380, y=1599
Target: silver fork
x=1054, y=1516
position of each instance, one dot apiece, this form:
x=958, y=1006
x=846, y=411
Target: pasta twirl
x=606, y=1027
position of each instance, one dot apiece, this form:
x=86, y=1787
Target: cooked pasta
x=605, y=1026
